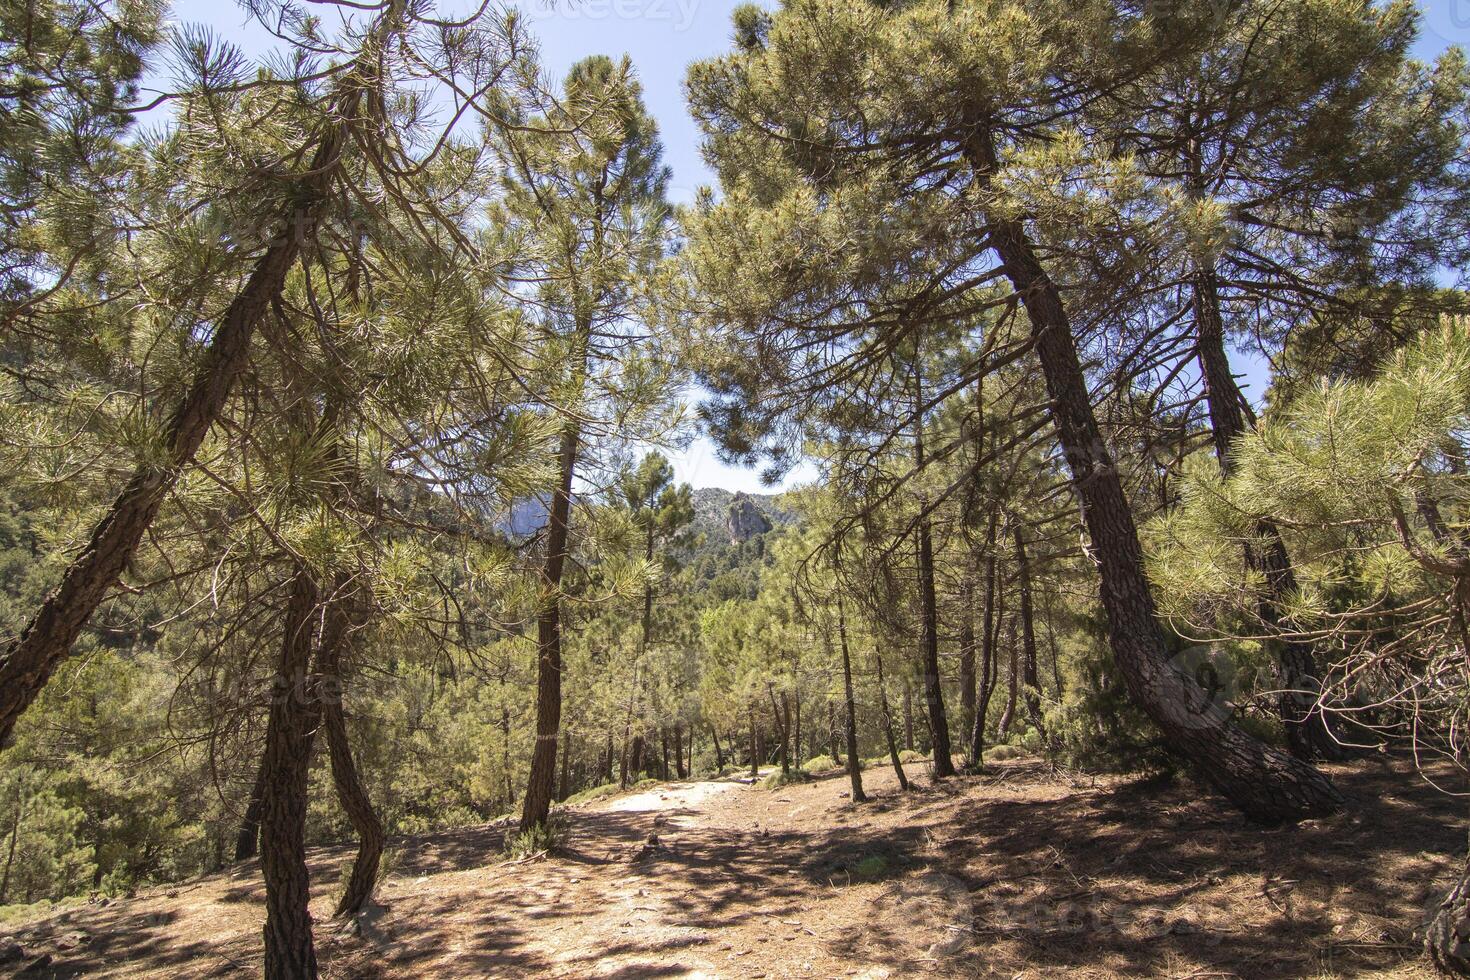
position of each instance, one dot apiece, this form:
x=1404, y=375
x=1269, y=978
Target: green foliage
x=592, y=793
x=544, y=838
x=778, y=779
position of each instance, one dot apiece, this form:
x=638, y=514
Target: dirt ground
x=1020, y=873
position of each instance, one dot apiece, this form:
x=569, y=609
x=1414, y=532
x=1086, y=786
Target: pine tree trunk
x=336, y=632
x=1309, y=733
x=1266, y=784
x=537, y=804
x=20, y=805
x=44, y=641
x=566, y=775
x=854, y=764
x=988, y=667
x=967, y=658
x=834, y=749
x=903, y=780
x=1030, y=675
x=754, y=746
x=294, y=713
x=908, y=714
x=783, y=727
x=247, y=841
x=508, y=785
x=636, y=760
x=714, y=734
x=943, y=764
x=356, y=804
x=680, y=771
x=1003, y=728
x=793, y=723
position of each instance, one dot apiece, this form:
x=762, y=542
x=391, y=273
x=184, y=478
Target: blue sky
x=662, y=37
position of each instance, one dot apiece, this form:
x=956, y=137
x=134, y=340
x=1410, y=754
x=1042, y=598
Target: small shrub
x=909, y=755
x=822, y=763
x=778, y=779
x=872, y=866
x=1000, y=753
x=541, y=839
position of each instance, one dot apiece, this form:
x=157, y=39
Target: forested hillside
x=348, y=582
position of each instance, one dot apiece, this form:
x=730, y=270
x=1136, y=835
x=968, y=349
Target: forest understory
x=1025, y=871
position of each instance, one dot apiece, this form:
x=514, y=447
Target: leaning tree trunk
x=294, y=713
x=1309, y=733
x=353, y=796
x=903, y=780
x=854, y=764
x=44, y=641
x=1267, y=784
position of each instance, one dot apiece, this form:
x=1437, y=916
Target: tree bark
x=714, y=735
x=854, y=764
x=294, y=713
x=1268, y=785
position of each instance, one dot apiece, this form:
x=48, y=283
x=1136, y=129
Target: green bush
x=821, y=763
x=1000, y=753
x=909, y=755
x=543, y=838
x=778, y=779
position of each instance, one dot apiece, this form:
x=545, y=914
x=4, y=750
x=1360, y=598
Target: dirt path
x=1020, y=873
